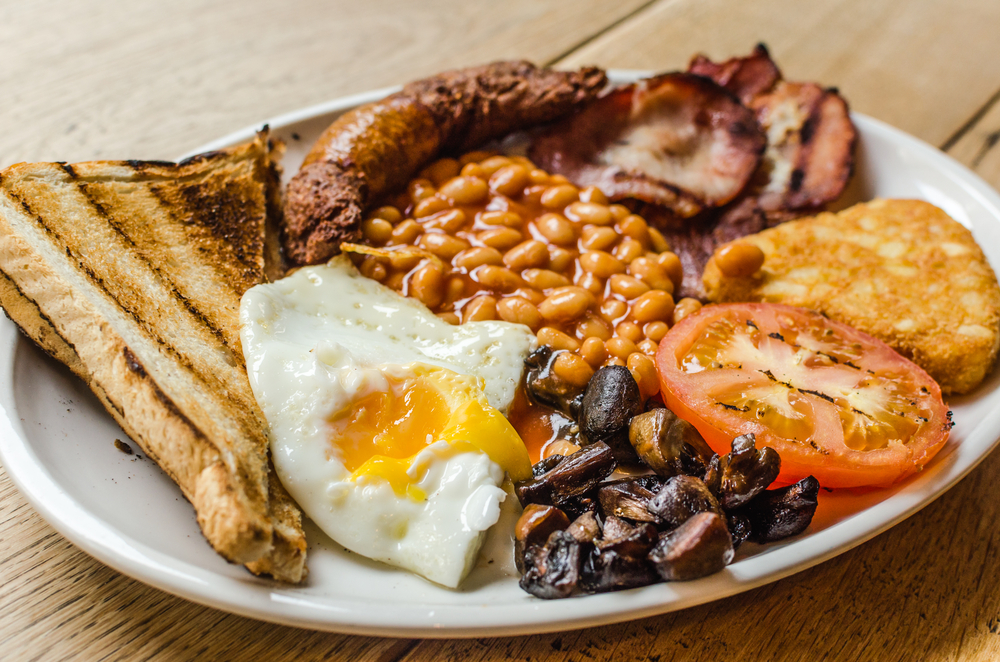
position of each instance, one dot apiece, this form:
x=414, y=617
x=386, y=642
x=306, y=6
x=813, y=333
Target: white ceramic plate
x=56, y=442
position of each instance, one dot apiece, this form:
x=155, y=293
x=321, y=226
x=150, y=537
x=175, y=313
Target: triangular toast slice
x=131, y=274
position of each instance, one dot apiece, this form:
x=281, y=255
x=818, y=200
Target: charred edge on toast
x=174, y=353
x=82, y=186
x=41, y=315
x=200, y=157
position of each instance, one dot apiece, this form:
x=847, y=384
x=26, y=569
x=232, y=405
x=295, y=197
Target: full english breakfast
x=509, y=283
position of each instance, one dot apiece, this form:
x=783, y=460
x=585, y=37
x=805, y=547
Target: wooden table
x=153, y=80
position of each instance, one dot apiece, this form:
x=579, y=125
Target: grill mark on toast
x=237, y=414
x=38, y=311
x=82, y=186
x=136, y=367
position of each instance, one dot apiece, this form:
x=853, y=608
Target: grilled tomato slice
x=833, y=401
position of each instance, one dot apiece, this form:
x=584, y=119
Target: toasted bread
x=900, y=270
x=131, y=274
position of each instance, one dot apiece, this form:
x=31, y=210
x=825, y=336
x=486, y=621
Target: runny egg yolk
x=381, y=432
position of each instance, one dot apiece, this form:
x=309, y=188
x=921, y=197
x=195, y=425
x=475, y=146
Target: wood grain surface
x=153, y=80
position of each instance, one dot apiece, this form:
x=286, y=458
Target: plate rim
x=102, y=541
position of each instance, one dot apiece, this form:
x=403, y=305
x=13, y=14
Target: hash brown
x=900, y=270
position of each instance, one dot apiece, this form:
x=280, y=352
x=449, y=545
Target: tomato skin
x=825, y=454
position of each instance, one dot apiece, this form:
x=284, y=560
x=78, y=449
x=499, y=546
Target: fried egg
x=385, y=421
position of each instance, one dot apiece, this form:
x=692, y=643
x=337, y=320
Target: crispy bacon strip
x=378, y=147
x=676, y=140
x=746, y=77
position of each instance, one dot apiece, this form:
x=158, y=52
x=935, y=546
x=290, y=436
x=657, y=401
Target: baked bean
x=655, y=330
x=560, y=259
x=533, y=194
x=450, y=221
x=450, y=318
x=538, y=177
x=566, y=303
x=406, y=232
x=658, y=241
x=560, y=179
x=739, y=259
x=644, y=372
x=592, y=326
x=614, y=360
x=556, y=229
x=527, y=255
x=430, y=205
x=492, y=164
x=627, y=286
x=655, y=305
x=497, y=278
x=672, y=265
x=543, y=279
x=519, y=311
x=589, y=212
x=590, y=282
x=475, y=157
x=456, y=289
x=647, y=347
x=634, y=227
x=620, y=347
x=572, y=369
x=532, y=295
x=618, y=212
x=388, y=213
x=593, y=194
x=557, y=340
x=500, y=238
x=420, y=189
x=477, y=256
x=394, y=281
x=685, y=307
x=426, y=284
x=523, y=161
x=372, y=267
x=651, y=273
x=377, y=231
x=629, y=250
x=442, y=170
x=473, y=170
x=443, y=245
x=558, y=196
x=602, y=264
x=481, y=309
x=562, y=447
x=629, y=330
x=404, y=260
x=509, y=180
x=596, y=238
x=593, y=351
x=465, y=190
x=613, y=310
x=506, y=219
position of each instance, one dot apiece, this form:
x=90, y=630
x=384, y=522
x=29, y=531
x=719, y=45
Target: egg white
x=323, y=338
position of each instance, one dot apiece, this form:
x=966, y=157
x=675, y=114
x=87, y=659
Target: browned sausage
x=376, y=148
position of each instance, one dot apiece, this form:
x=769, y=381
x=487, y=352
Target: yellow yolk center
x=383, y=431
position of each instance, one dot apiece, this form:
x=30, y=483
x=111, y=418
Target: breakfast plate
x=58, y=445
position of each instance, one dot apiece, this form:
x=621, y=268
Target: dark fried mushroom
x=621, y=563
x=676, y=140
x=553, y=570
x=784, y=512
x=627, y=499
x=545, y=387
x=742, y=473
x=573, y=476
x=739, y=526
x=534, y=527
x=682, y=498
x=610, y=402
x=585, y=528
x=667, y=444
x=698, y=547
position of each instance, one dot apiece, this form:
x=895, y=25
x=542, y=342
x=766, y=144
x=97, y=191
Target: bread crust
x=139, y=295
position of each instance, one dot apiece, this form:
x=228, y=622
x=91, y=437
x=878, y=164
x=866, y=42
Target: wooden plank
x=979, y=146
x=922, y=65
x=154, y=80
